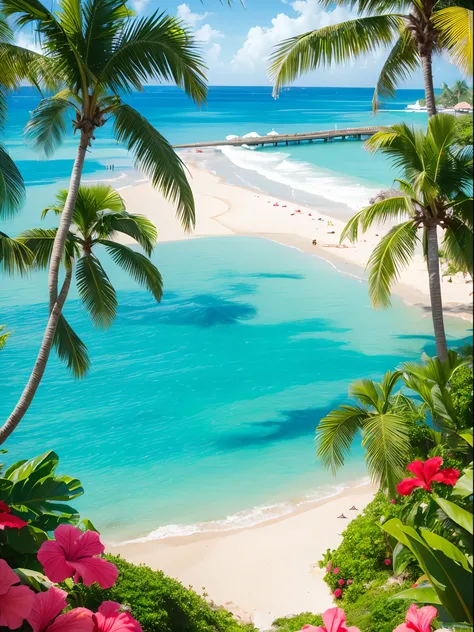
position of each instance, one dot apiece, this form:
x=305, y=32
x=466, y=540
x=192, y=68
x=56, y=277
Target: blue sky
x=236, y=42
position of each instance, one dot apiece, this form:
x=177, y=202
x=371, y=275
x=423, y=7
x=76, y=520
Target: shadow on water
x=41, y=172
x=430, y=346
x=292, y=425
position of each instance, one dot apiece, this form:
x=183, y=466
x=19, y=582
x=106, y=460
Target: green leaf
x=40, y=242
x=421, y=594
x=12, y=188
x=71, y=349
x=157, y=159
x=457, y=514
x=33, y=494
x=439, y=543
x=137, y=266
x=33, y=579
x=15, y=257
x=402, y=557
x=468, y=437
x=86, y=525
x=464, y=486
x=33, y=469
x=47, y=126
x=96, y=291
x=336, y=432
x=26, y=540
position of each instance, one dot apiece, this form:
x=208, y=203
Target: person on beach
x=314, y=242
x=353, y=508
x=342, y=516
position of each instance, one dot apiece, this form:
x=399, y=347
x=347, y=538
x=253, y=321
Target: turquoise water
x=199, y=413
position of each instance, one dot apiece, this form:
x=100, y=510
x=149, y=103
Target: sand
x=262, y=572
x=224, y=210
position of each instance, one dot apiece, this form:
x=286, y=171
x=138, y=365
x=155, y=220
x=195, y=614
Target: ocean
x=199, y=413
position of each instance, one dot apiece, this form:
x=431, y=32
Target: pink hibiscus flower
x=341, y=582
x=336, y=570
x=334, y=620
x=46, y=608
x=15, y=601
x=387, y=561
x=337, y=593
x=73, y=553
x=425, y=473
x=109, y=618
x=418, y=620
x=8, y=520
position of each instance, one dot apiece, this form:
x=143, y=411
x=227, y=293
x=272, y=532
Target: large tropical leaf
x=137, y=266
x=454, y=25
x=40, y=242
x=331, y=44
x=401, y=63
x=393, y=253
x=12, y=188
x=452, y=583
x=457, y=514
x=386, y=439
x=15, y=256
x=47, y=125
x=156, y=47
x=457, y=244
x=71, y=349
x=390, y=209
x=157, y=159
x=96, y=291
x=336, y=432
x=138, y=227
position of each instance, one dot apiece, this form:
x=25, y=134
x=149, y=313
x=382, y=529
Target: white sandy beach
x=223, y=209
x=263, y=572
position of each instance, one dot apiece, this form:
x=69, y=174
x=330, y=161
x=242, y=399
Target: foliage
x=296, y=622
x=450, y=96
x=463, y=133
x=160, y=603
x=461, y=393
x=361, y=554
x=3, y=336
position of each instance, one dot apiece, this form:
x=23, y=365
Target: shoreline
x=244, y=570
x=224, y=209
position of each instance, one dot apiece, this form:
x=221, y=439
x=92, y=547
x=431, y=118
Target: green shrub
x=161, y=604
x=296, y=622
x=461, y=394
x=361, y=554
x=464, y=130
x=374, y=611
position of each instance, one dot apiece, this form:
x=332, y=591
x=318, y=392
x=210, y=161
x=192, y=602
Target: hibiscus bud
x=341, y=582
x=337, y=593
x=387, y=562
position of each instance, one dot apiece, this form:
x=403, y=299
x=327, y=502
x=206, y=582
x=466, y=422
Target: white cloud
x=28, y=41
x=214, y=57
x=206, y=34
x=139, y=5
x=261, y=40
x=191, y=19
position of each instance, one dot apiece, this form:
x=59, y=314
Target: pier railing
x=275, y=140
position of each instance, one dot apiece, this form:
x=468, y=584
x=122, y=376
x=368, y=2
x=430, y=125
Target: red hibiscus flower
x=73, y=553
x=15, y=601
x=337, y=593
x=45, y=615
x=334, y=620
x=8, y=520
x=109, y=618
x=425, y=474
x=418, y=620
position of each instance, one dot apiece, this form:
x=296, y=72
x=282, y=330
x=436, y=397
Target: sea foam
x=278, y=167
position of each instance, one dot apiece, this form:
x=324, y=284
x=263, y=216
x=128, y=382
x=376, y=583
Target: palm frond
x=15, y=256
x=138, y=227
x=71, y=349
x=389, y=382
x=402, y=144
x=401, y=63
x=457, y=244
x=96, y=291
x=155, y=47
x=12, y=188
x=47, y=127
x=139, y=267
x=390, y=209
x=454, y=26
x=40, y=242
x=393, y=252
x=3, y=337
x=103, y=21
x=157, y=159
x=336, y=432
x=367, y=392
x=434, y=370
x=386, y=439
x=331, y=44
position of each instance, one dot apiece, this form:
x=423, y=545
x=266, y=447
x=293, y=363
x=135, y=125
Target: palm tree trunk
x=40, y=364
x=65, y=221
x=426, y=60
x=435, y=291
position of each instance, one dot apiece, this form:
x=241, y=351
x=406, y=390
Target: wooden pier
x=286, y=139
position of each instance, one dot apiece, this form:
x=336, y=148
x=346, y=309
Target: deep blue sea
x=199, y=413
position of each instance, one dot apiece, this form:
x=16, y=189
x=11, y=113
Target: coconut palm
x=461, y=90
x=435, y=194
x=100, y=53
x=98, y=218
x=414, y=29
x=381, y=417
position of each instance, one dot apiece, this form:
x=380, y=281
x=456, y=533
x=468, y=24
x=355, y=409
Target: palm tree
x=415, y=29
x=3, y=337
x=99, y=53
x=382, y=417
x=98, y=218
x=434, y=194
x=461, y=90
